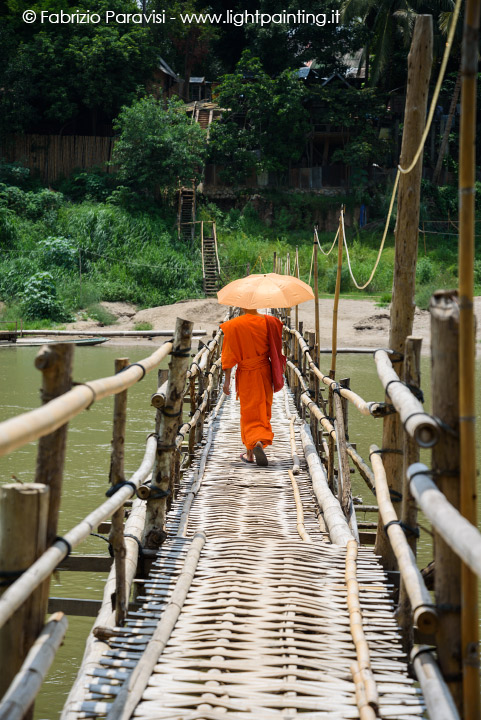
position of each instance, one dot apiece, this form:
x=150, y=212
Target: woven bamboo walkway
x=264, y=632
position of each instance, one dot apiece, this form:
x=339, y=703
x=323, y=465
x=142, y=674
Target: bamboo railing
x=201, y=379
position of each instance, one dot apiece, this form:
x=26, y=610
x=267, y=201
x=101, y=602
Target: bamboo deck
x=264, y=632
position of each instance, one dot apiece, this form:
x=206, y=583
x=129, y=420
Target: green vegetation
x=158, y=146
x=59, y=259
x=143, y=326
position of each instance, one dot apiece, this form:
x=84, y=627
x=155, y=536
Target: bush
x=143, y=326
x=58, y=251
x=93, y=184
x=32, y=205
x=39, y=299
x=101, y=315
x=425, y=270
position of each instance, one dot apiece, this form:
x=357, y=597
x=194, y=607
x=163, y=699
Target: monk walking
x=248, y=343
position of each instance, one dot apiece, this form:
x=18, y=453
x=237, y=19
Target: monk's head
x=247, y=311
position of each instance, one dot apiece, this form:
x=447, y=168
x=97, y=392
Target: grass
x=143, y=326
x=90, y=251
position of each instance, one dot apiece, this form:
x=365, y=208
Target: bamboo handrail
x=440, y=704
x=26, y=684
x=461, y=536
x=336, y=523
x=29, y=426
x=424, y=614
x=21, y=589
x=364, y=407
x=107, y=333
x=416, y=421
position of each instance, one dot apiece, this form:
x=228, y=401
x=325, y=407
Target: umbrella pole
x=296, y=273
x=332, y=373
x=288, y=272
x=316, y=300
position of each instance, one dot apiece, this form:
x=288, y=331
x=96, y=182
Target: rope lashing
x=444, y=426
x=169, y=414
x=94, y=394
x=10, y=576
x=61, y=539
x=419, y=412
x=383, y=451
x=127, y=367
x=181, y=353
x=111, y=491
x=406, y=528
x=417, y=392
x=155, y=492
x=141, y=551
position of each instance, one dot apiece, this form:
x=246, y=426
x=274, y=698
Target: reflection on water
x=88, y=460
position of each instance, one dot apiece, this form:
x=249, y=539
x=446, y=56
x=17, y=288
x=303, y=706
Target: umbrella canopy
x=265, y=291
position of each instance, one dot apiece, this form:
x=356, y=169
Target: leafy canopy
x=158, y=145
x=264, y=124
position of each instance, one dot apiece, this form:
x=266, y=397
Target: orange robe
x=246, y=345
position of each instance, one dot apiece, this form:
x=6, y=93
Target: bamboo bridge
x=255, y=593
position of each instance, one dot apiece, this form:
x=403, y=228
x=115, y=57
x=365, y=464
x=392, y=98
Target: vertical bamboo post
x=331, y=447
x=409, y=512
x=120, y=600
x=24, y=513
x=342, y=460
x=55, y=363
x=467, y=410
x=171, y=417
x=337, y=292
x=445, y=463
x=274, y=263
x=316, y=301
x=346, y=383
x=406, y=232
x=199, y=428
x=297, y=274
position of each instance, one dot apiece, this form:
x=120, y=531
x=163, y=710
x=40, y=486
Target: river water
x=88, y=461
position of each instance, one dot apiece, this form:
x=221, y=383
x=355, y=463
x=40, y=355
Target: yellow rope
x=437, y=89
x=332, y=246
x=381, y=248
x=405, y=171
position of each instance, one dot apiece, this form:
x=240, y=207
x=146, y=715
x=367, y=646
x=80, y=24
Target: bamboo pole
x=29, y=426
x=461, y=536
x=445, y=464
x=416, y=421
x=316, y=299
x=55, y=363
x=425, y=616
x=365, y=408
x=116, y=536
x=409, y=513
x=108, y=333
x=42, y=568
x=171, y=419
x=363, y=666
x=131, y=691
x=337, y=291
x=342, y=456
x=467, y=410
x=25, y=687
x=303, y=534
x=336, y=523
x=23, y=536
x=440, y=704
x=406, y=233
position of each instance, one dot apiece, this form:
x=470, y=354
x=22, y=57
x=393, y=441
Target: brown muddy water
x=88, y=460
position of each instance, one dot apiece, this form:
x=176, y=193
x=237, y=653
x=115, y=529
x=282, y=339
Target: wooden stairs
x=210, y=262
x=186, y=213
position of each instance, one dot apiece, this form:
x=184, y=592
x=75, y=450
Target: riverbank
x=361, y=323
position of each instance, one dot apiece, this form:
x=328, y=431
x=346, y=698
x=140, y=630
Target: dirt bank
x=360, y=324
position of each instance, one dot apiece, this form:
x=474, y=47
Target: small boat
x=35, y=342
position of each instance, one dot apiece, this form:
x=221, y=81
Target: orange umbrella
x=265, y=291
